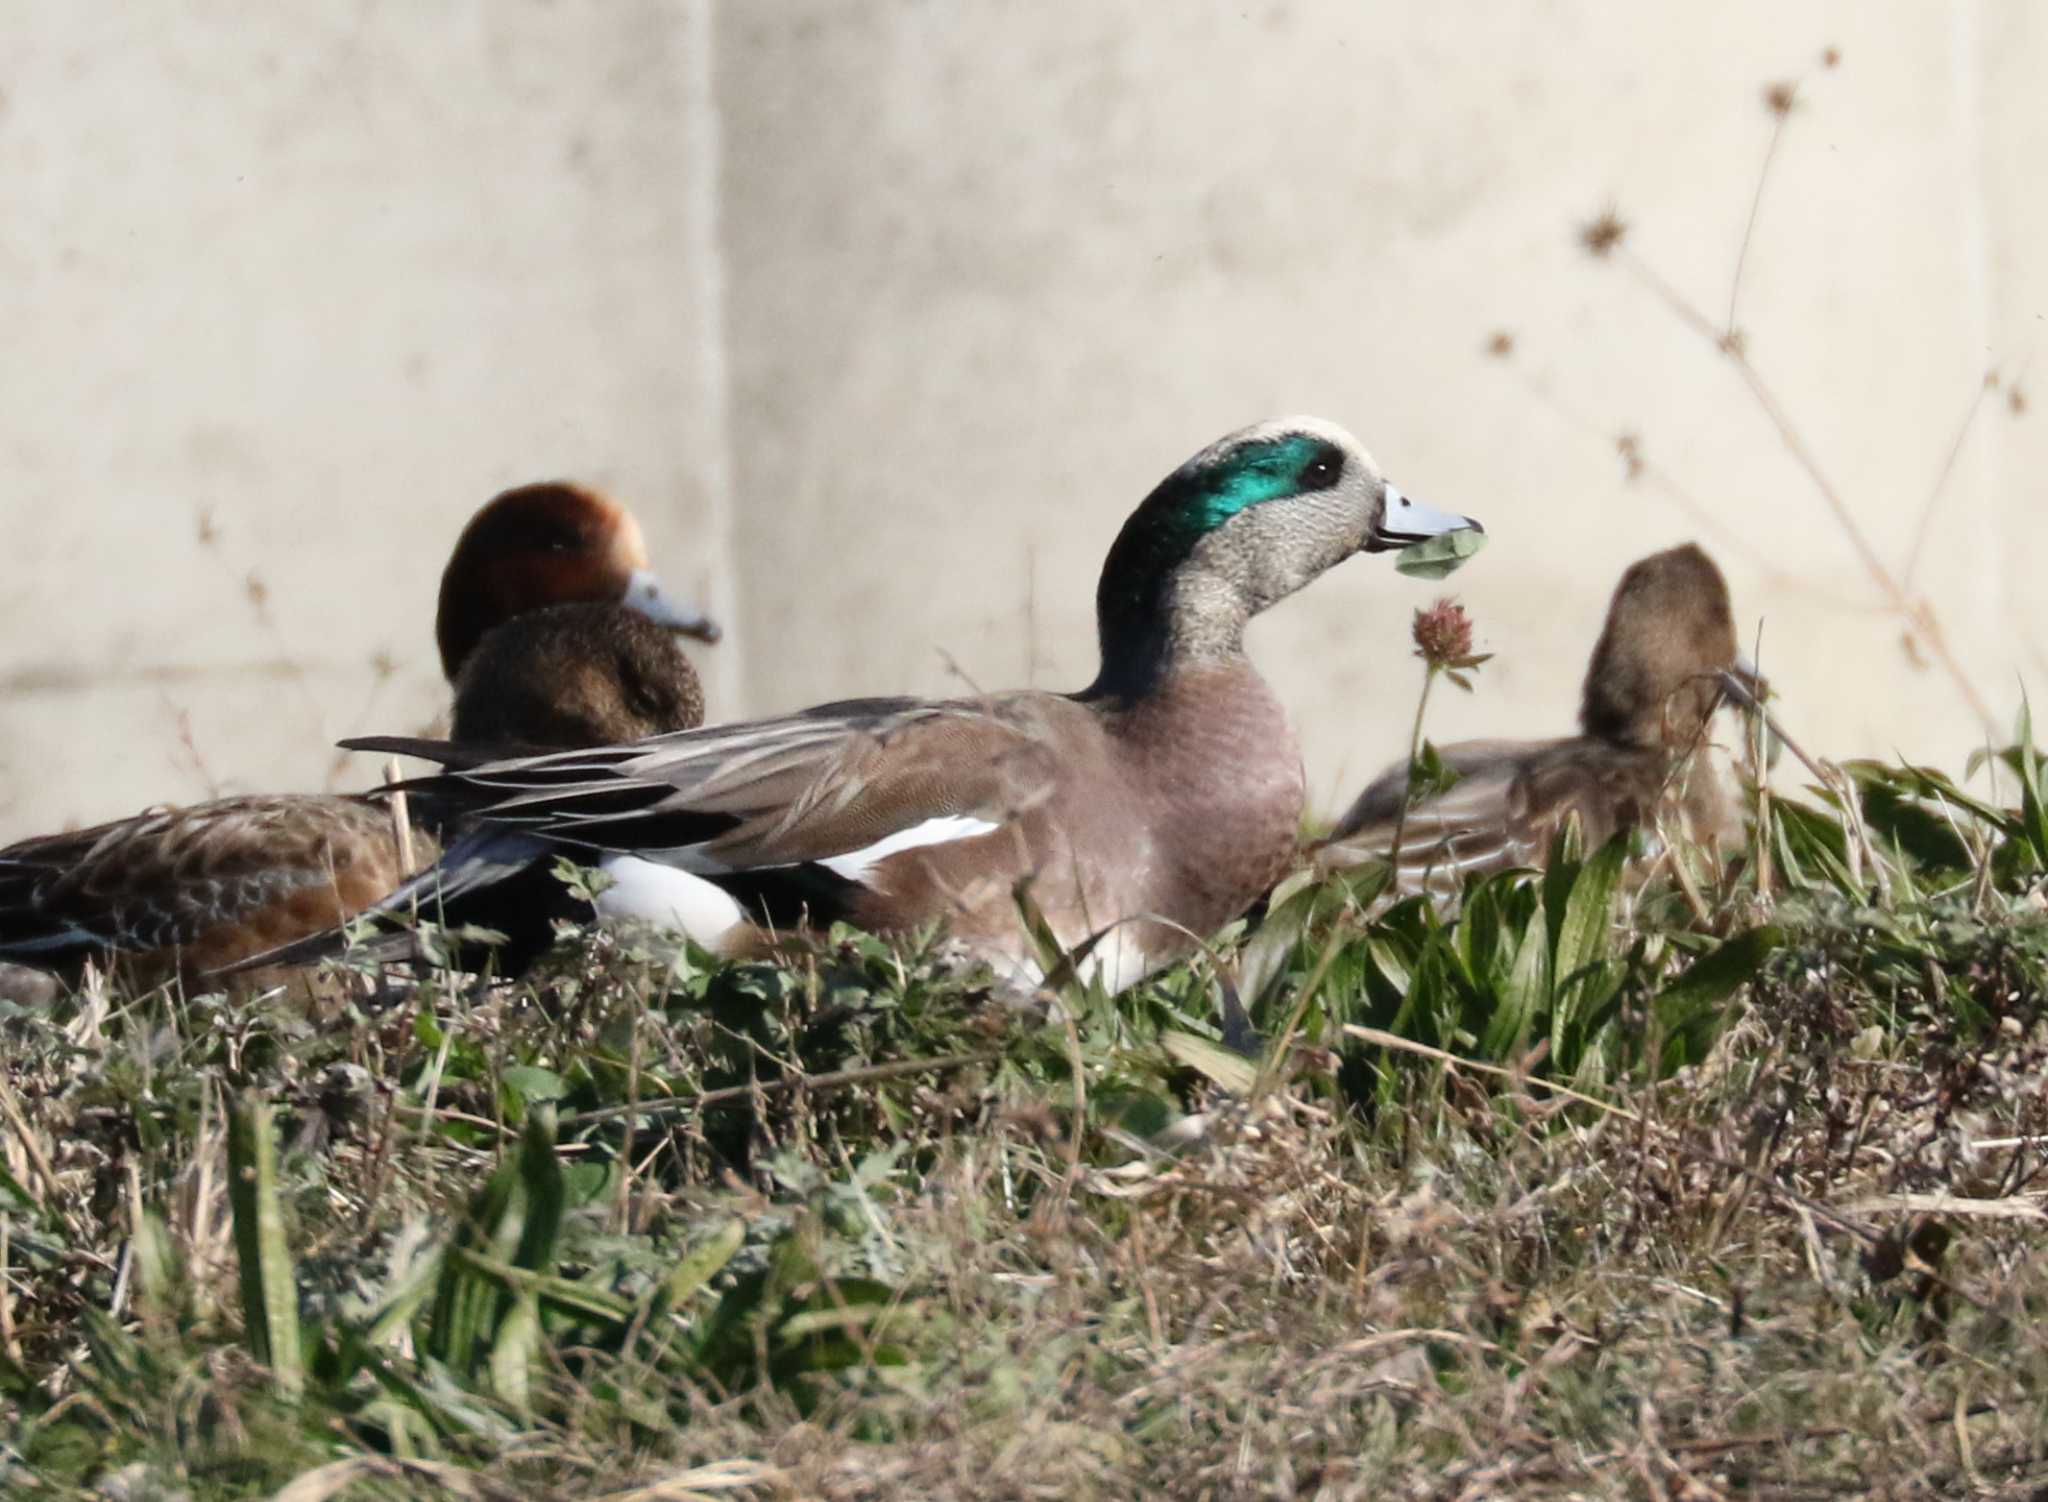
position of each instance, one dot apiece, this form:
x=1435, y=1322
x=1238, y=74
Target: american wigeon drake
x=1149, y=808
x=190, y=890
x=1642, y=758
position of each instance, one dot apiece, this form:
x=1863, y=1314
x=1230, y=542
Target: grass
x=1574, y=1195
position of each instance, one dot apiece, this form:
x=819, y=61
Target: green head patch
x=1267, y=469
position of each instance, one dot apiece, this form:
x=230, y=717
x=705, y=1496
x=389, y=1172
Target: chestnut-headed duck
x=555, y=633
x=1643, y=756
x=1140, y=813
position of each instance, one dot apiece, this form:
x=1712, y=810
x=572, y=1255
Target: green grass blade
x=1524, y=996
x=701, y=1264
x=1586, y=927
x=1690, y=1008
x=269, y=1283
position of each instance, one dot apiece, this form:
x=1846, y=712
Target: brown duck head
x=1656, y=673
x=548, y=544
x=575, y=676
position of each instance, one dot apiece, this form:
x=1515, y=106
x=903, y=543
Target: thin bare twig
x=1917, y=616
x=1756, y=203
x=1948, y=464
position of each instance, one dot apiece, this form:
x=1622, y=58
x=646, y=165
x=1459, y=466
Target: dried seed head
x=1630, y=447
x=1603, y=234
x=1443, y=634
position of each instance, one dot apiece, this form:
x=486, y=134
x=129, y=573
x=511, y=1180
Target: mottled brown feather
x=1652, y=685
x=589, y=674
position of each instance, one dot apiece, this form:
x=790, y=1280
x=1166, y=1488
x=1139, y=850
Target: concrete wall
x=883, y=313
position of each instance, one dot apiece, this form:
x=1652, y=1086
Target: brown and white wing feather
x=1498, y=814
x=212, y=878
x=807, y=787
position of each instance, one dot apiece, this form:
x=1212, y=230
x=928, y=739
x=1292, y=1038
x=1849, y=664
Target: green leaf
x=1585, y=930
x=156, y=1266
x=702, y=1263
x=1428, y=777
x=2033, y=811
x=269, y=1283
x=515, y=1219
x=1291, y=909
x=535, y=1084
x=1690, y=1005
x=1440, y=556
x=513, y=1349
x=1220, y=1065
x=1526, y=994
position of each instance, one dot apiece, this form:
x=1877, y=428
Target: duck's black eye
x=557, y=537
x=1324, y=470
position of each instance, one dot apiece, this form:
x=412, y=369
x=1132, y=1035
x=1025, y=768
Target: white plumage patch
x=1117, y=961
x=645, y=891
x=855, y=864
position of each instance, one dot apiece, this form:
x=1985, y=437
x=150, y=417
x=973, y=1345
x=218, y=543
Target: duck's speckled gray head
x=1245, y=523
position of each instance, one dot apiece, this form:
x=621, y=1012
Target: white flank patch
x=644, y=891
x=855, y=864
x=1117, y=961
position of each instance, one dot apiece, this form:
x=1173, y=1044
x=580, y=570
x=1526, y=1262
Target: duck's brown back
x=1513, y=798
x=188, y=891
x=183, y=891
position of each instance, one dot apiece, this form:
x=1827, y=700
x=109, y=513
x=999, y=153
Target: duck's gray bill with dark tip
x=645, y=594
x=1406, y=521
x=1749, y=687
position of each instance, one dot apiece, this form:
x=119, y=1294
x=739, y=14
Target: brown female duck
x=555, y=634
x=1657, y=675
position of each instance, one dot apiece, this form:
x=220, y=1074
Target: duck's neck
x=1162, y=626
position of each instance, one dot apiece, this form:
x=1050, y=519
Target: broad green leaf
x=1220, y=1065
x=514, y=1219
x=703, y=1263
x=1694, y=1000
x=1440, y=556
x=535, y=1084
x=1292, y=909
x=513, y=1349
x=1586, y=926
x=1526, y=994
x=270, y=1293
x=2033, y=810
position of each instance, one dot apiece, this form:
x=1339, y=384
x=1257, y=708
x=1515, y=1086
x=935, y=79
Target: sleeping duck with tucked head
x=1665, y=662
x=554, y=633
x=1139, y=813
